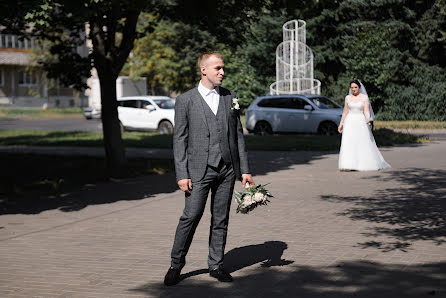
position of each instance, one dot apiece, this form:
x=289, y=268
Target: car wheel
x=328, y=129
x=263, y=128
x=165, y=127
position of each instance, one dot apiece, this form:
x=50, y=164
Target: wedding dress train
x=358, y=148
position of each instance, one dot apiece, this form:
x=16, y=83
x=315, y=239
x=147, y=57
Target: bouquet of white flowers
x=251, y=197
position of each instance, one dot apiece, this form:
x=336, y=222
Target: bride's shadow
x=268, y=254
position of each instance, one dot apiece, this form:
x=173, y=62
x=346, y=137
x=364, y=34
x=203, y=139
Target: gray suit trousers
x=220, y=181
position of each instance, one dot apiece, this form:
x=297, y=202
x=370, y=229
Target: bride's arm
x=366, y=109
x=344, y=114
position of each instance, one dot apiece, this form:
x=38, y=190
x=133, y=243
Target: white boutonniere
x=235, y=104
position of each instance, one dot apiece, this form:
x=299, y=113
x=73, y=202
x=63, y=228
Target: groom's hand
x=185, y=185
x=247, y=178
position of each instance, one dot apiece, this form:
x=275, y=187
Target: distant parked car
x=306, y=113
x=92, y=113
x=154, y=113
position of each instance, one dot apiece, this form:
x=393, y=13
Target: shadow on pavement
x=77, y=198
x=261, y=163
x=268, y=254
x=346, y=279
x=416, y=211
x=264, y=162
x=63, y=138
x=101, y=193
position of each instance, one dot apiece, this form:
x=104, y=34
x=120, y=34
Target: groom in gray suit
x=209, y=152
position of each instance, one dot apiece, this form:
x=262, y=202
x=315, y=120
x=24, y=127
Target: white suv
x=147, y=113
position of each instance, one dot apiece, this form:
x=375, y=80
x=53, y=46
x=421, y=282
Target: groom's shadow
x=268, y=254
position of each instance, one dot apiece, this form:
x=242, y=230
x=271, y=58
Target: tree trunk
x=108, y=59
x=113, y=144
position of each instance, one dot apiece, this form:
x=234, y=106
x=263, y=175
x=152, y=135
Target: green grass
x=41, y=114
x=388, y=137
x=410, y=124
x=82, y=139
x=76, y=112
x=384, y=137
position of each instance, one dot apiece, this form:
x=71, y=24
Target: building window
x=27, y=78
x=15, y=42
x=2, y=78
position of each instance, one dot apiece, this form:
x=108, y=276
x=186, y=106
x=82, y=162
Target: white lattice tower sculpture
x=294, y=63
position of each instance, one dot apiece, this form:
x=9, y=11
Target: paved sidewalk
x=325, y=234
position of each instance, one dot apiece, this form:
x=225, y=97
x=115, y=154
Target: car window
x=283, y=103
x=165, y=103
x=265, y=102
x=278, y=102
x=324, y=103
x=129, y=103
x=294, y=103
x=145, y=104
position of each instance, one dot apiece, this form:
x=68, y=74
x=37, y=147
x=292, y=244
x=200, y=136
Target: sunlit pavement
x=325, y=234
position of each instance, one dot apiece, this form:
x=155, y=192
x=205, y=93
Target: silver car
x=307, y=113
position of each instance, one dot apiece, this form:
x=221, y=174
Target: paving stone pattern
x=325, y=234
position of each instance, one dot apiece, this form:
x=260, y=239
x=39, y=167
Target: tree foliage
x=396, y=47
x=168, y=51
x=152, y=57
x=110, y=26
x=250, y=69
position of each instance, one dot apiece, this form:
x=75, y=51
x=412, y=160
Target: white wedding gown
x=358, y=148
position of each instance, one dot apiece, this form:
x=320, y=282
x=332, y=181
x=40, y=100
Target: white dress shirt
x=211, y=97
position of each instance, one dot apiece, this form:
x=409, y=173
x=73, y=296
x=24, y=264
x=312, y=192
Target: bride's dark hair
x=356, y=81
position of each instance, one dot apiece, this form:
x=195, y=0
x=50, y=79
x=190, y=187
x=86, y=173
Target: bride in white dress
x=358, y=148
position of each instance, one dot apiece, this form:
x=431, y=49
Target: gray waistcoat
x=218, y=142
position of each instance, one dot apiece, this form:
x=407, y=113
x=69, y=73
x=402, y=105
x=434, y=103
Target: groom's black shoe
x=172, y=276
x=221, y=275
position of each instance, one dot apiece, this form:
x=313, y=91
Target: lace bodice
x=356, y=105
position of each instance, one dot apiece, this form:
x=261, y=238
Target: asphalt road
x=71, y=124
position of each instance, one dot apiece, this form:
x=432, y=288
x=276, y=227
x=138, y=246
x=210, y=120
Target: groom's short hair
x=203, y=57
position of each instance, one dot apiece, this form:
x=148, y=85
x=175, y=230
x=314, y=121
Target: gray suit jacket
x=191, y=136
